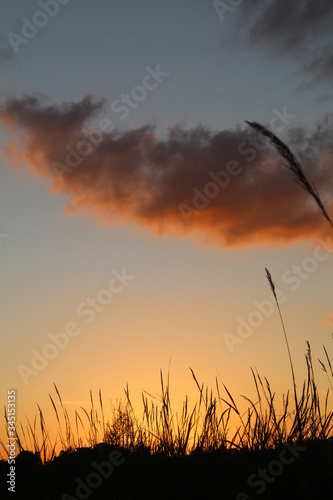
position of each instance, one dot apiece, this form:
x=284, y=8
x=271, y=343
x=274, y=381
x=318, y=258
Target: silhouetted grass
x=272, y=286
x=205, y=427
x=294, y=166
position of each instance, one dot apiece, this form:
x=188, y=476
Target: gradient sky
x=135, y=202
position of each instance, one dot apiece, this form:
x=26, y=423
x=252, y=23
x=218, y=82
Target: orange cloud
x=226, y=188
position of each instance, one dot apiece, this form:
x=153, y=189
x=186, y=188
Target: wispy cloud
x=134, y=177
x=299, y=30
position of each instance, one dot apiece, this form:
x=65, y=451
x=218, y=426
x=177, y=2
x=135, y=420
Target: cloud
x=300, y=30
x=225, y=188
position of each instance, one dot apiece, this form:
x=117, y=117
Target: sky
x=139, y=209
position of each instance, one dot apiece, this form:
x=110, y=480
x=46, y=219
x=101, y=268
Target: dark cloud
x=300, y=30
x=226, y=188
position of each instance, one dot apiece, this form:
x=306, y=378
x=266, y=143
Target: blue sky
x=192, y=281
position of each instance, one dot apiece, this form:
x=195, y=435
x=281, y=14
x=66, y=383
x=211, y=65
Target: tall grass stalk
x=272, y=286
x=293, y=165
x=329, y=372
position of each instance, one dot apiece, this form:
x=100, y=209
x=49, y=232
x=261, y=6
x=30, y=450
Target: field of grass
x=205, y=427
x=273, y=453
x=211, y=450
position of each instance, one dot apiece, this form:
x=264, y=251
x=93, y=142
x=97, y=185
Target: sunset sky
x=139, y=210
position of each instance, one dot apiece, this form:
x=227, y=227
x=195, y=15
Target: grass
x=272, y=286
x=294, y=166
x=207, y=426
